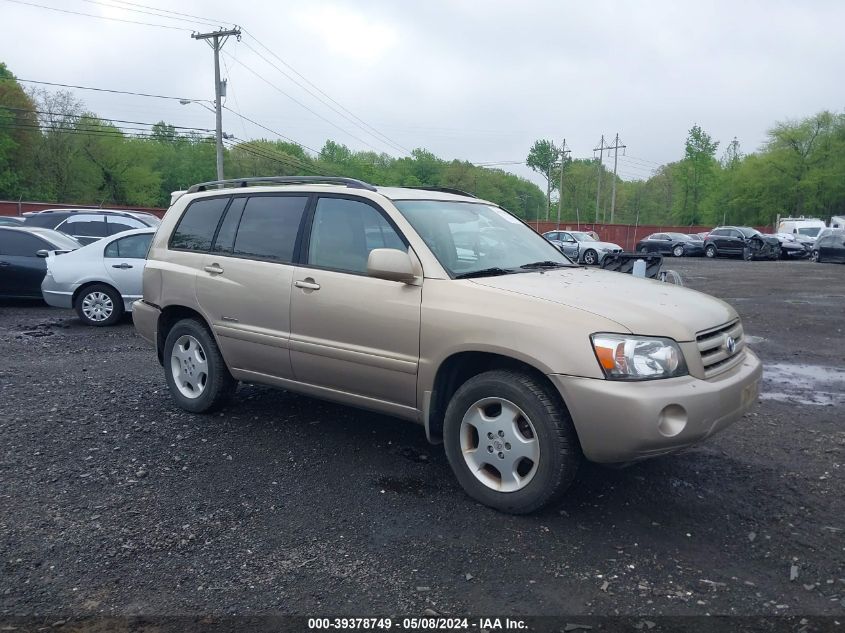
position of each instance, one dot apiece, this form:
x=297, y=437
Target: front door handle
x=307, y=284
x=124, y=265
x=214, y=269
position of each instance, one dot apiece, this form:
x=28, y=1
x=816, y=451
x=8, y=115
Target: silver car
x=100, y=280
x=582, y=247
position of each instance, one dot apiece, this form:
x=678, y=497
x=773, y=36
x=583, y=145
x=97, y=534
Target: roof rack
x=457, y=192
x=281, y=180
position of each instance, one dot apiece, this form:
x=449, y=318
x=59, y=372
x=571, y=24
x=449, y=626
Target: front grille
x=713, y=347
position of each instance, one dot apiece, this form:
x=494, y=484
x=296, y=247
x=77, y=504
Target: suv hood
x=640, y=306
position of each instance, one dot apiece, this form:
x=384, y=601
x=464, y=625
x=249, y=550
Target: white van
x=803, y=229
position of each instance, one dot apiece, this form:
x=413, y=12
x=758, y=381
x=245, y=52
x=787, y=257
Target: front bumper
x=145, y=317
x=627, y=421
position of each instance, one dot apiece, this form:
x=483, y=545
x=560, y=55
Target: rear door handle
x=124, y=265
x=307, y=284
x=214, y=269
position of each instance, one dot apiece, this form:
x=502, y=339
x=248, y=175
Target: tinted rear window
x=269, y=226
x=197, y=226
x=20, y=244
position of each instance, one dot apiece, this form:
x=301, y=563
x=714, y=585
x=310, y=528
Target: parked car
x=792, y=248
x=23, y=253
x=830, y=247
x=677, y=244
x=741, y=241
x=10, y=220
x=581, y=246
x=287, y=282
x=90, y=225
x=100, y=281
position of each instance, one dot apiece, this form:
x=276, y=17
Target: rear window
x=269, y=226
x=20, y=244
x=197, y=225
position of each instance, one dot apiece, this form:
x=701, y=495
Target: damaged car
x=741, y=241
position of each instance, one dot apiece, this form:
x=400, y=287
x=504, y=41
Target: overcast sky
x=471, y=79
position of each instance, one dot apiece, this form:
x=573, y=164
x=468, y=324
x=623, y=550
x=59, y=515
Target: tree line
x=53, y=149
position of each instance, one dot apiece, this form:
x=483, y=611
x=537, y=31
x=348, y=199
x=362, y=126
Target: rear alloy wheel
x=196, y=374
x=678, y=251
x=99, y=305
x=710, y=251
x=591, y=258
x=510, y=441
x=814, y=257
x=747, y=255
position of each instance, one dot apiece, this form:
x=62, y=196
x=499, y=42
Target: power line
x=158, y=15
x=187, y=15
x=270, y=151
x=351, y=118
x=299, y=103
x=97, y=118
x=99, y=17
x=272, y=131
x=120, y=92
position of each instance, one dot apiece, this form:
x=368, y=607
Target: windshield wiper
x=484, y=272
x=545, y=264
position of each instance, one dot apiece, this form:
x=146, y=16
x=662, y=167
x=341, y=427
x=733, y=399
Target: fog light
x=672, y=420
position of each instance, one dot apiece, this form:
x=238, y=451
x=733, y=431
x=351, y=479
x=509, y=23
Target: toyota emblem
x=730, y=344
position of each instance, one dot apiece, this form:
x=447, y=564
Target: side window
x=18, y=244
x=269, y=226
x=566, y=237
x=131, y=247
x=84, y=225
x=345, y=231
x=553, y=236
x=735, y=233
x=225, y=240
x=197, y=225
x=118, y=224
x=717, y=232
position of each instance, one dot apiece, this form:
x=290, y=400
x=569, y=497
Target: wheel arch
x=92, y=282
x=169, y=317
x=459, y=367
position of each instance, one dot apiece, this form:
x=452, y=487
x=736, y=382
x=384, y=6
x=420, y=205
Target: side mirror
x=390, y=264
x=42, y=253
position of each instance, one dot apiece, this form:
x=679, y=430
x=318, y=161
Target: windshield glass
x=469, y=237
x=748, y=231
x=679, y=236
x=583, y=237
x=810, y=231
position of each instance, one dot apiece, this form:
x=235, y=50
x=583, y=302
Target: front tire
x=591, y=258
x=196, y=374
x=99, y=305
x=710, y=251
x=510, y=441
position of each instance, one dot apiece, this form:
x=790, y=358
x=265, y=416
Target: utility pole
x=563, y=153
x=600, y=149
x=616, y=148
x=216, y=40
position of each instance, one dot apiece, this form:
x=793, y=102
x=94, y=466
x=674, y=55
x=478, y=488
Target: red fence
x=11, y=207
x=626, y=235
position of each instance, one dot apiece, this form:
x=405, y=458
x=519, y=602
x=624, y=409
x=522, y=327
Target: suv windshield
x=748, y=231
x=474, y=238
x=809, y=231
x=680, y=236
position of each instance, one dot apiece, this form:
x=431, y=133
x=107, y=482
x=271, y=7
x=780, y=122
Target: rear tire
x=678, y=251
x=196, y=374
x=710, y=251
x=518, y=415
x=99, y=305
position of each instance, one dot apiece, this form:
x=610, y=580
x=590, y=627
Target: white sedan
x=100, y=280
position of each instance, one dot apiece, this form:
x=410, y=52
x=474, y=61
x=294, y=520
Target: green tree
x=542, y=158
x=696, y=174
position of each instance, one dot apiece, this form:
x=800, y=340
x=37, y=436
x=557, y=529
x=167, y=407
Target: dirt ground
x=115, y=502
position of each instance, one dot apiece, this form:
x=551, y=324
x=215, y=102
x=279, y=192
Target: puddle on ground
x=803, y=384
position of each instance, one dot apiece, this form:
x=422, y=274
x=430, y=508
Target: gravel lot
x=113, y=501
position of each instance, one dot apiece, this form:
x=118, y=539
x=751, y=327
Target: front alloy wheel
x=678, y=251
x=510, y=441
x=591, y=258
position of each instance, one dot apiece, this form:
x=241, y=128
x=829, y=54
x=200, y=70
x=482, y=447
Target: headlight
x=638, y=357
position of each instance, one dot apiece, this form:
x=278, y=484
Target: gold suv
x=437, y=307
